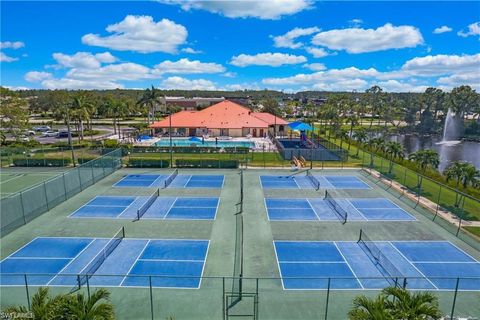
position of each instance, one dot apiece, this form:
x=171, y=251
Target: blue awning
x=194, y=139
x=300, y=126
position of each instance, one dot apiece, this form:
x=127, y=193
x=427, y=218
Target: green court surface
x=15, y=179
x=262, y=290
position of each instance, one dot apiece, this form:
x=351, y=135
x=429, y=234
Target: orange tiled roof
x=269, y=118
x=223, y=115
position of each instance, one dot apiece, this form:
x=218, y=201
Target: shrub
x=143, y=162
x=48, y=162
x=206, y=163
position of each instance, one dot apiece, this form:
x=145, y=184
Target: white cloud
x=229, y=74
x=186, y=84
x=287, y=40
x=5, y=58
x=355, y=22
x=473, y=30
x=442, y=29
x=74, y=84
x=442, y=64
x=191, y=51
x=12, y=45
x=357, y=40
x=242, y=86
x=315, y=66
x=266, y=59
x=317, y=52
x=37, y=76
x=397, y=86
x=185, y=66
x=272, y=9
x=141, y=34
x=83, y=59
x=114, y=72
x=471, y=79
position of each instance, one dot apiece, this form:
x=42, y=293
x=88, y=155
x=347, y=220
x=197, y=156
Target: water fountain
x=451, y=129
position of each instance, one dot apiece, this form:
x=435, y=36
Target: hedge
x=142, y=162
x=198, y=149
x=48, y=162
x=206, y=163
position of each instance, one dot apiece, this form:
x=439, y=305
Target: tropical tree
x=365, y=308
x=68, y=306
x=353, y=120
x=396, y=303
x=150, y=99
x=394, y=150
x=61, y=105
x=360, y=136
x=13, y=113
x=463, y=173
x=374, y=99
x=433, y=100
x=424, y=159
x=97, y=306
x=82, y=109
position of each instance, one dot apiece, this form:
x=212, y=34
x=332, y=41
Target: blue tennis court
x=179, y=181
x=303, y=182
x=169, y=208
x=314, y=209
x=433, y=265
x=130, y=260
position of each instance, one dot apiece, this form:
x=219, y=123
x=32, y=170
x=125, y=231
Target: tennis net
x=313, y=180
x=141, y=211
x=341, y=213
x=388, y=269
x=97, y=261
x=171, y=178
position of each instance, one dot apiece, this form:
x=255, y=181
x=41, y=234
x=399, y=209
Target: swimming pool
x=176, y=142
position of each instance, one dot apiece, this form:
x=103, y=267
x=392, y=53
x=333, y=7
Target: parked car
x=23, y=138
x=29, y=132
x=49, y=134
x=42, y=128
x=63, y=134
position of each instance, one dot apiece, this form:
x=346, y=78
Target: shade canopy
x=194, y=139
x=300, y=126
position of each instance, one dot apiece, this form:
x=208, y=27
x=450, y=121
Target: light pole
x=170, y=136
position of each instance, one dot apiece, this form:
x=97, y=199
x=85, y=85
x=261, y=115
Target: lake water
x=449, y=152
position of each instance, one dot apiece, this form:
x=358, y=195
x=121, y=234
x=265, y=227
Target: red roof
x=222, y=115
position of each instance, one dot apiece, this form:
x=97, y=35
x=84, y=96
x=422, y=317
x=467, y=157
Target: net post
x=360, y=237
x=454, y=298
x=459, y=227
x=123, y=232
x=404, y=283
x=88, y=288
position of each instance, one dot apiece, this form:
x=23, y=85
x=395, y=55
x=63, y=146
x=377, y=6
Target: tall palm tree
x=424, y=159
x=43, y=306
x=365, y=308
x=464, y=173
x=406, y=305
x=360, y=136
x=82, y=108
x=62, y=110
x=394, y=150
x=151, y=98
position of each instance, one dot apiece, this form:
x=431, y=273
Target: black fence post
x=151, y=296
x=327, y=300
x=454, y=299
x=28, y=293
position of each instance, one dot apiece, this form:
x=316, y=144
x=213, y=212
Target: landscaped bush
x=143, y=162
x=198, y=149
x=206, y=163
x=47, y=162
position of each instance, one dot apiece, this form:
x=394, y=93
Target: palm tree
x=43, y=306
x=82, y=108
x=150, y=99
x=365, y=308
x=464, y=173
x=424, y=159
x=396, y=303
x=406, y=305
x=62, y=111
x=97, y=306
x=352, y=119
x=394, y=150
x=360, y=136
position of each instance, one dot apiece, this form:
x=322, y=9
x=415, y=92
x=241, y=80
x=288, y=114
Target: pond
x=449, y=152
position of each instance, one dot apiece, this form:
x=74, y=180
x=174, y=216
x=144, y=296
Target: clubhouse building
x=225, y=119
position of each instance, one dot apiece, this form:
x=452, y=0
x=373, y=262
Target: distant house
x=225, y=118
x=190, y=104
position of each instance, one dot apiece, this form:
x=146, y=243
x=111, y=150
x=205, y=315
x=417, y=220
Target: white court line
x=13, y=178
x=355, y=208
x=170, y=260
x=123, y=211
x=204, y=263
x=22, y=247
x=185, y=184
x=411, y=263
x=278, y=264
x=314, y=211
x=134, y=263
x=72, y=259
x=348, y=264
x=169, y=209
x=159, y=176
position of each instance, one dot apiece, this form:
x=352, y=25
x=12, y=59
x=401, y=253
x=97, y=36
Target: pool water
x=220, y=144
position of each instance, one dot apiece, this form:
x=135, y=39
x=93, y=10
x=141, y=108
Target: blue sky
x=289, y=45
